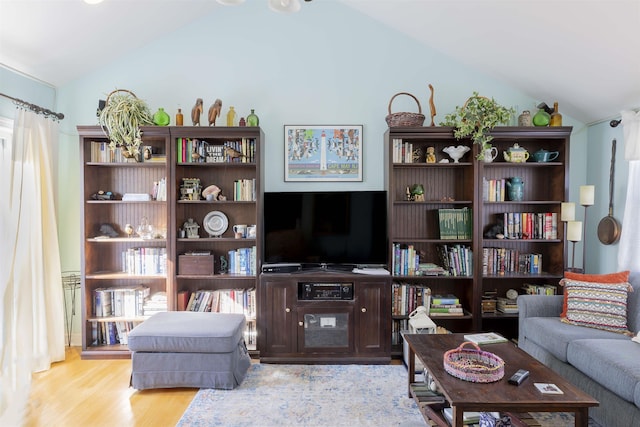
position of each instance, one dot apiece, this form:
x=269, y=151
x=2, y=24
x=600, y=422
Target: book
x=548, y=388
x=485, y=338
x=444, y=299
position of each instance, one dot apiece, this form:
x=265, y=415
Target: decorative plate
x=512, y=294
x=215, y=223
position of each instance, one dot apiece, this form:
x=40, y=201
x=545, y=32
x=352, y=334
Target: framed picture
x=323, y=153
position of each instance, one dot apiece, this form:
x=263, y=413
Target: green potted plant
x=476, y=118
x=121, y=118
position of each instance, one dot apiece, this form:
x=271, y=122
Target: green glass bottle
x=161, y=118
x=252, y=119
x=541, y=118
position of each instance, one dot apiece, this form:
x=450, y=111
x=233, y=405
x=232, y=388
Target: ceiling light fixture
x=281, y=6
x=92, y=1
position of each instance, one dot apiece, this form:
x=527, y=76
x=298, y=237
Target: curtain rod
x=35, y=108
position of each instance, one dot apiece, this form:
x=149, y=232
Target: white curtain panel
x=32, y=307
x=628, y=258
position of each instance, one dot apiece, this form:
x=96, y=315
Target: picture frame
x=323, y=153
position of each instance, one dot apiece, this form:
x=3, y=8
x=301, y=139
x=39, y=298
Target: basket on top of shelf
x=405, y=119
x=473, y=365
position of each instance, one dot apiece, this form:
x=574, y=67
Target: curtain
x=629, y=249
x=32, y=307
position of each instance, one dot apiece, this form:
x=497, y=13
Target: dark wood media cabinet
x=324, y=317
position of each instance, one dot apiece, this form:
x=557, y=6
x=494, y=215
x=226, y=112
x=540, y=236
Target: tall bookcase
x=116, y=262
x=414, y=225
x=156, y=265
x=238, y=174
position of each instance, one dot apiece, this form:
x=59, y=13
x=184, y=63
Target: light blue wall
x=604, y=258
x=326, y=64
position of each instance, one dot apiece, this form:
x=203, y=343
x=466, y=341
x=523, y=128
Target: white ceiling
x=584, y=52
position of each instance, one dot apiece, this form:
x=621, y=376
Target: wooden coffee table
x=500, y=396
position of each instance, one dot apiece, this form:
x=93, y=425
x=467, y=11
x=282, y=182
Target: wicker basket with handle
x=473, y=365
x=405, y=119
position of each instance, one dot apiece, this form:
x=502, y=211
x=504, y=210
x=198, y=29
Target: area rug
x=320, y=395
x=309, y=395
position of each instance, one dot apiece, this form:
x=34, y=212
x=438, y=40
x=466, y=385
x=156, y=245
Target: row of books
x=193, y=150
x=241, y=301
x=455, y=223
x=530, y=225
x=534, y=289
x=244, y=190
x=502, y=260
x=111, y=333
x=121, y=301
x=457, y=259
x=242, y=261
x=402, y=151
x=407, y=297
x=145, y=261
x=406, y=260
x=493, y=190
x=159, y=190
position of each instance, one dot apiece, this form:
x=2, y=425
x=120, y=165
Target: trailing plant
x=121, y=118
x=476, y=118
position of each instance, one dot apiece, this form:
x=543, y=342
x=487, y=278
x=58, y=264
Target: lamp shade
x=284, y=6
x=568, y=211
x=574, y=231
x=587, y=195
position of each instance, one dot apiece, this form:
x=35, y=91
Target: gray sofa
x=604, y=364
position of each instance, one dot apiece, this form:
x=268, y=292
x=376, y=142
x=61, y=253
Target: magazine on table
x=485, y=338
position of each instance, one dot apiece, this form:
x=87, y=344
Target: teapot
x=456, y=153
x=516, y=154
x=515, y=188
x=543, y=155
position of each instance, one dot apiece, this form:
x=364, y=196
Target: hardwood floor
x=96, y=393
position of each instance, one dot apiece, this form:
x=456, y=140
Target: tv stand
x=315, y=317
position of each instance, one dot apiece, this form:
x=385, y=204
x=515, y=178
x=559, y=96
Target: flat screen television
x=315, y=228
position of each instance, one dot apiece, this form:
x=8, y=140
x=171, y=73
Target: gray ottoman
x=189, y=349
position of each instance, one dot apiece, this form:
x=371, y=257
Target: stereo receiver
x=312, y=291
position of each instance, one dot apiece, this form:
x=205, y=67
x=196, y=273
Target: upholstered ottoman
x=189, y=349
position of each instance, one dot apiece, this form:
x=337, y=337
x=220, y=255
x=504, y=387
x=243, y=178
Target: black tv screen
x=314, y=228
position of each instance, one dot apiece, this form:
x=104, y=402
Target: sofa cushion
x=188, y=332
x=610, y=362
x=633, y=303
x=619, y=277
x=597, y=305
x=554, y=336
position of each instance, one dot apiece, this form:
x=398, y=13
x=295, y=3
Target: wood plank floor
x=96, y=393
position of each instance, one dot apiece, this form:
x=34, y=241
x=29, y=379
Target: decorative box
x=196, y=265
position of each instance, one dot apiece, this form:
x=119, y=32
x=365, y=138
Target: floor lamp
x=567, y=213
x=574, y=234
x=587, y=198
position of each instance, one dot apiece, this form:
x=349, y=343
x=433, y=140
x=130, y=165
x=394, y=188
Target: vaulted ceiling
x=586, y=52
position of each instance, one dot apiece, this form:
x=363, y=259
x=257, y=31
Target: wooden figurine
x=432, y=106
x=431, y=155
x=214, y=112
x=196, y=111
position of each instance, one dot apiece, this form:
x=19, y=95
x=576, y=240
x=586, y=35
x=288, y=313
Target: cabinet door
x=278, y=303
x=373, y=317
x=325, y=327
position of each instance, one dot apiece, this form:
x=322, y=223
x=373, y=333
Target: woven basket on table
x=405, y=119
x=473, y=365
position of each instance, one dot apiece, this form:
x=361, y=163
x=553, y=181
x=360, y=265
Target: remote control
x=519, y=377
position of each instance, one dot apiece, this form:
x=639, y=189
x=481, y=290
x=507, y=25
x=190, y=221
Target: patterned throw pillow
x=597, y=305
x=620, y=277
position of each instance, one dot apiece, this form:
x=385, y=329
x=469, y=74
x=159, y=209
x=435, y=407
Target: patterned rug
x=319, y=395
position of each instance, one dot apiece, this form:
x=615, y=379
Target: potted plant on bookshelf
x=475, y=119
x=121, y=118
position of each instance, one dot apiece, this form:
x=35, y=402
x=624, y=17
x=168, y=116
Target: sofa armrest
x=539, y=305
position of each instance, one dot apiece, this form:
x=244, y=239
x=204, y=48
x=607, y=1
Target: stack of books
x=445, y=305
x=506, y=305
